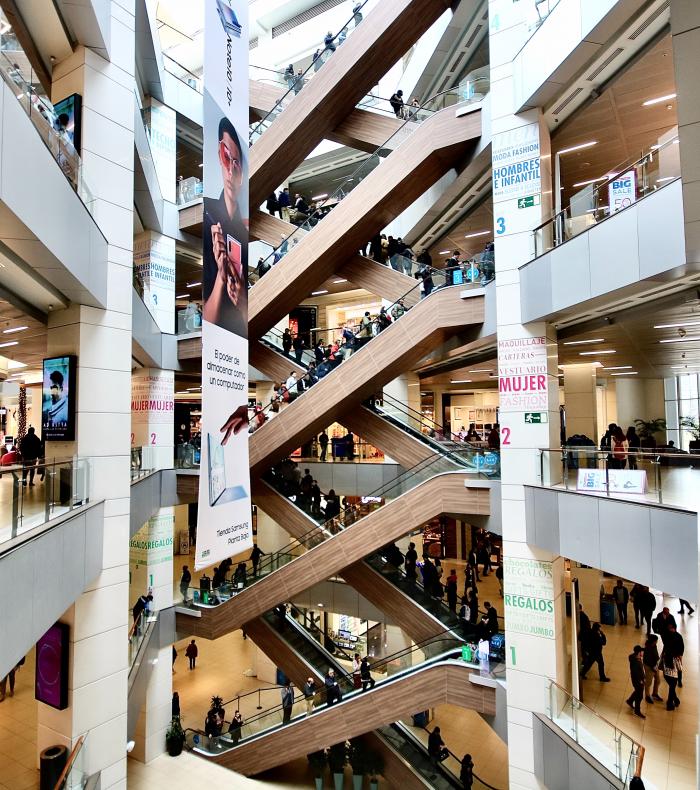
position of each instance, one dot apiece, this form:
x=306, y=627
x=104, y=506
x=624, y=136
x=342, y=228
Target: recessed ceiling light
x=444, y=252
x=674, y=326
x=478, y=233
x=9, y=343
x=13, y=364
x=577, y=147
x=590, y=181
x=337, y=282
x=14, y=329
x=620, y=367
x=595, y=353
x=460, y=381
x=319, y=197
x=629, y=373
x=680, y=340
x=667, y=178
x=193, y=285
x=182, y=296
x=684, y=366
x=584, y=342
x=658, y=100
x=318, y=293
x=481, y=370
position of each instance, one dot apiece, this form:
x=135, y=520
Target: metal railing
x=663, y=476
x=606, y=743
x=613, y=192
x=143, y=461
x=38, y=491
x=182, y=73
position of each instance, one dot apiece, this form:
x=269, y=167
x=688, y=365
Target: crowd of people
x=28, y=452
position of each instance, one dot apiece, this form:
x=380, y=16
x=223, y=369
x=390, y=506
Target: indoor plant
x=318, y=761
x=692, y=425
x=337, y=758
x=358, y=762
x=646, y=430
x=174, y=737
x=375, y=765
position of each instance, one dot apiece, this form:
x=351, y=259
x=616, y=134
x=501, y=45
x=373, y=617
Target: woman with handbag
x=669, y=666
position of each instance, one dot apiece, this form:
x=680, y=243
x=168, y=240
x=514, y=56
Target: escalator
x=384, y=188
x=419, y=331
x=431, y=488
x=329, y=93
x=423, y=676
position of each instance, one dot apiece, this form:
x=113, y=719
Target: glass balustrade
x=139, y=632
x=189, y=319
x=75, y=772
x=189, y=190
x=605, y=742
x=34, y=493
x=603, y=197
x=183, y=74
x=143, y=461
x=662, y=475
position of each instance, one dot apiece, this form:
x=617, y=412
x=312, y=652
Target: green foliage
x=647, y=428
x=175, y=730
x=691, y=424
x=318, y=761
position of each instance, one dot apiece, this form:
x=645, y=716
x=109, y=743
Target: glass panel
x=74, y=775
x=143, y=461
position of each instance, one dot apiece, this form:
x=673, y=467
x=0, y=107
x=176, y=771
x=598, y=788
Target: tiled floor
x=31, y=506
x=668, y=737
x=18, y=714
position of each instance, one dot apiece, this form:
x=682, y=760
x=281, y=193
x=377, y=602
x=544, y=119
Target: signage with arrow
x=536, y=417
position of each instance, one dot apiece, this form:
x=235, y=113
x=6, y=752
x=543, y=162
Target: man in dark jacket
x=637, y=678
x=647, y=605
x=675, y=646
x=621, y=596
x=594, y=653
x=287, y=702
x=30, y=448
x=141, y=605
x=333, y=692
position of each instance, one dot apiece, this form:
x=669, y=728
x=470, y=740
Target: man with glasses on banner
x=225, y=242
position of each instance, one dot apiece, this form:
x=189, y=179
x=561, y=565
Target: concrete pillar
x=102, y=340
x=534, y=601
x=581, y=400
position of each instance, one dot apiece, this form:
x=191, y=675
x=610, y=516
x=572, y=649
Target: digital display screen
x=51, y=677
x=58, y=399
x=68, y=112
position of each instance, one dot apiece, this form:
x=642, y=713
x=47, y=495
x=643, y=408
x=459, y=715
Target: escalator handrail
x=311, y=66
x=310, y=629
x=446, y=655
x=351, y=178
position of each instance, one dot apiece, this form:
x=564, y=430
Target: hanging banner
x=224, y=521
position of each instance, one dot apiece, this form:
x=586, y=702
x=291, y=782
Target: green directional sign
x=529, y=201
x=536, y=417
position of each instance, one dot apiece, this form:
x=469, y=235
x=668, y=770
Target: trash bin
x=608, y=612
x=51, y=762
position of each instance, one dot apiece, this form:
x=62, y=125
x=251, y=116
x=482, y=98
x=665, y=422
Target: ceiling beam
x=26, y=41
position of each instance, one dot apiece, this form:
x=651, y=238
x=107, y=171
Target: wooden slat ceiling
x=31, y=342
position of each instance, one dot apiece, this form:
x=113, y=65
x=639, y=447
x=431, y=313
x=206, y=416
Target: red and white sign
x=522, y=374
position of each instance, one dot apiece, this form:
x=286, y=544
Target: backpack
x=618, y=450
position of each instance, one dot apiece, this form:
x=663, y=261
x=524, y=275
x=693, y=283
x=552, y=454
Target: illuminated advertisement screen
x=58, y=399
x=51, y=677
x=68, y=119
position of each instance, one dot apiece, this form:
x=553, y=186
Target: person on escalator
x=298, y=346
x=323, y=444
x=255, y=555
x=365, y=674
x=466, y=774
x=451, y=589
x=234, y=728
x=286, y=342
x=315, y=499
x=332, y=505
x=333, y=692
x=436, y=747
x=356, y=673
x=287, y=702
x=411, y=562
x=397, y=104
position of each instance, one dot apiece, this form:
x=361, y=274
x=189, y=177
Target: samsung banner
x=224, y=522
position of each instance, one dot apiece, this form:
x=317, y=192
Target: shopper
x=309, y=695
x=451, y=590
x=436, y=747
x=670, y=672
x=357, y=13
x=397, y=105
x=490, y=619
x=366, y=675
x=618, y=449
x=675, y=647
x=473, y=606
x=594, y=653
x=298, y=346
x=272, y=205
x=11, y=678
x=647, y=605
x=30, y=448
x=634, y=444
x=287, y=702
x=685, y=605
x=636, y=596
x=141, y=606
x=663, y=622
x=350, y=445
x=356, y=671
x=323, y=444
x=328, y=42
x=651, y=670
x=466, y=773
x=286, y=342
x=637, y=677
x=472, y=563
x=175, y=705
x=333, y=692
x=621, y=596
x=283, y=196
x=192, y=652
x=234, y=728
x=255, y=555
x=411, y=560
x=185, y=581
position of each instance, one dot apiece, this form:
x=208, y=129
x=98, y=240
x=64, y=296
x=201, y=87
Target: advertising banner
x=522, y=374
x=619, y=481
x=528, y=596
x=58, y=399
x=516, y=163
x=224, y=520
x=622, y=191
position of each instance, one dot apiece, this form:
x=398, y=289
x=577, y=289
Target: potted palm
x=375, y=766
x=337, y=758
x=174, y=737
x=318, y=761
x=646, y=430
x=217, y=706
x=692, y=425
x=358, y=762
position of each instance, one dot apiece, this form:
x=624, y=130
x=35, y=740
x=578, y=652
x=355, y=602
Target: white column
x=581, y=400
x=102, y=341
x=152, y=416
x=529, y=409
